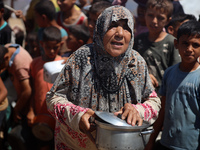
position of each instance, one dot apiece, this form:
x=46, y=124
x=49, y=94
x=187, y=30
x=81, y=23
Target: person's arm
x=23, y=98
x=3, y=91
x=147, y=111
x=30, y=115
x=157, y=126
x=64, y=111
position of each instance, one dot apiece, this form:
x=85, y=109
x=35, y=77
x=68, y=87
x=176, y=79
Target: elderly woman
x=107, y=75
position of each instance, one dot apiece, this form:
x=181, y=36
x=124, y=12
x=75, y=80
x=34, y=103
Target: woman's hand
x=85, y=126
x=130, y=114
x=154, y=80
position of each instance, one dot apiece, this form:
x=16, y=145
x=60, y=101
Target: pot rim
x=122, y=128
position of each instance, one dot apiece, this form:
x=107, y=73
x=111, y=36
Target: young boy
x=45, y=15
x=176, y=22
x=17, y=62
x=51, y=43
x=5, y=30
x=180, y=90
x=70, y=14
x=156, y=46
x=29, y=18
x=94, y=11
x=78, y=36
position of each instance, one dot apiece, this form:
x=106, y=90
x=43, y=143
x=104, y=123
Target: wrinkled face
x=116, y=39
x=155, y=20
x=91, y=22
x=189, y=48
x=51, y=49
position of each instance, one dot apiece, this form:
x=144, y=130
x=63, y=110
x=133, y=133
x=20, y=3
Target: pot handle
x=145, y=133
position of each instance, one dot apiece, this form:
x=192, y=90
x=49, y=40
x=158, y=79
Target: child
x=78, y=35
x=94, y=11
x=176, y=21
x=51, y=43
x=70, y=14
x=5, y=30
x=29, y=18
x=156, y=46
x=179, y=115
x=32, y=44
x=17, y=62
x=45, y=14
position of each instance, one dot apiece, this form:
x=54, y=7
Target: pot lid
x=115, y=120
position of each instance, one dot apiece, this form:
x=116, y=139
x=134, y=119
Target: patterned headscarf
x=111, y=70
x=92, y=78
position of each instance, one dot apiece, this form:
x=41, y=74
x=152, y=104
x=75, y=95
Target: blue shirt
x=182, y=114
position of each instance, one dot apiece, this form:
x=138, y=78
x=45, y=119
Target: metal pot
x=111, y=137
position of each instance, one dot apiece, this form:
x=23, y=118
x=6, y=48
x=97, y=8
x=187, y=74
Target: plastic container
x=52, y=69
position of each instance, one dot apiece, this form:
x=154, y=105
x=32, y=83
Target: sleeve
x=22, y=74
x=150, y=105
x=64, y=111
x=149, y=110
x=58, y=98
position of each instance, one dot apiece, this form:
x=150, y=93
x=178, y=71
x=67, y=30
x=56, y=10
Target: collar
x=14, y=54
x=4, y=24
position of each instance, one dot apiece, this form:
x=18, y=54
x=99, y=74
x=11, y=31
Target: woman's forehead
x=115, y=14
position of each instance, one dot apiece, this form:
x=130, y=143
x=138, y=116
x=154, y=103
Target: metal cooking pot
x=112, y=137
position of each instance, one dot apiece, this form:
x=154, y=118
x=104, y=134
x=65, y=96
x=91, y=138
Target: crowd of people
x=143, y=67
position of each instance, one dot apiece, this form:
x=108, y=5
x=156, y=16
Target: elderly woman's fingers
x=131, y=115
x=136, y=120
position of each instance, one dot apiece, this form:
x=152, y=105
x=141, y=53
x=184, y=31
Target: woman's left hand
x=130, y=114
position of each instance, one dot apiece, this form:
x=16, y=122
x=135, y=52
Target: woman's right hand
x=85, y=126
